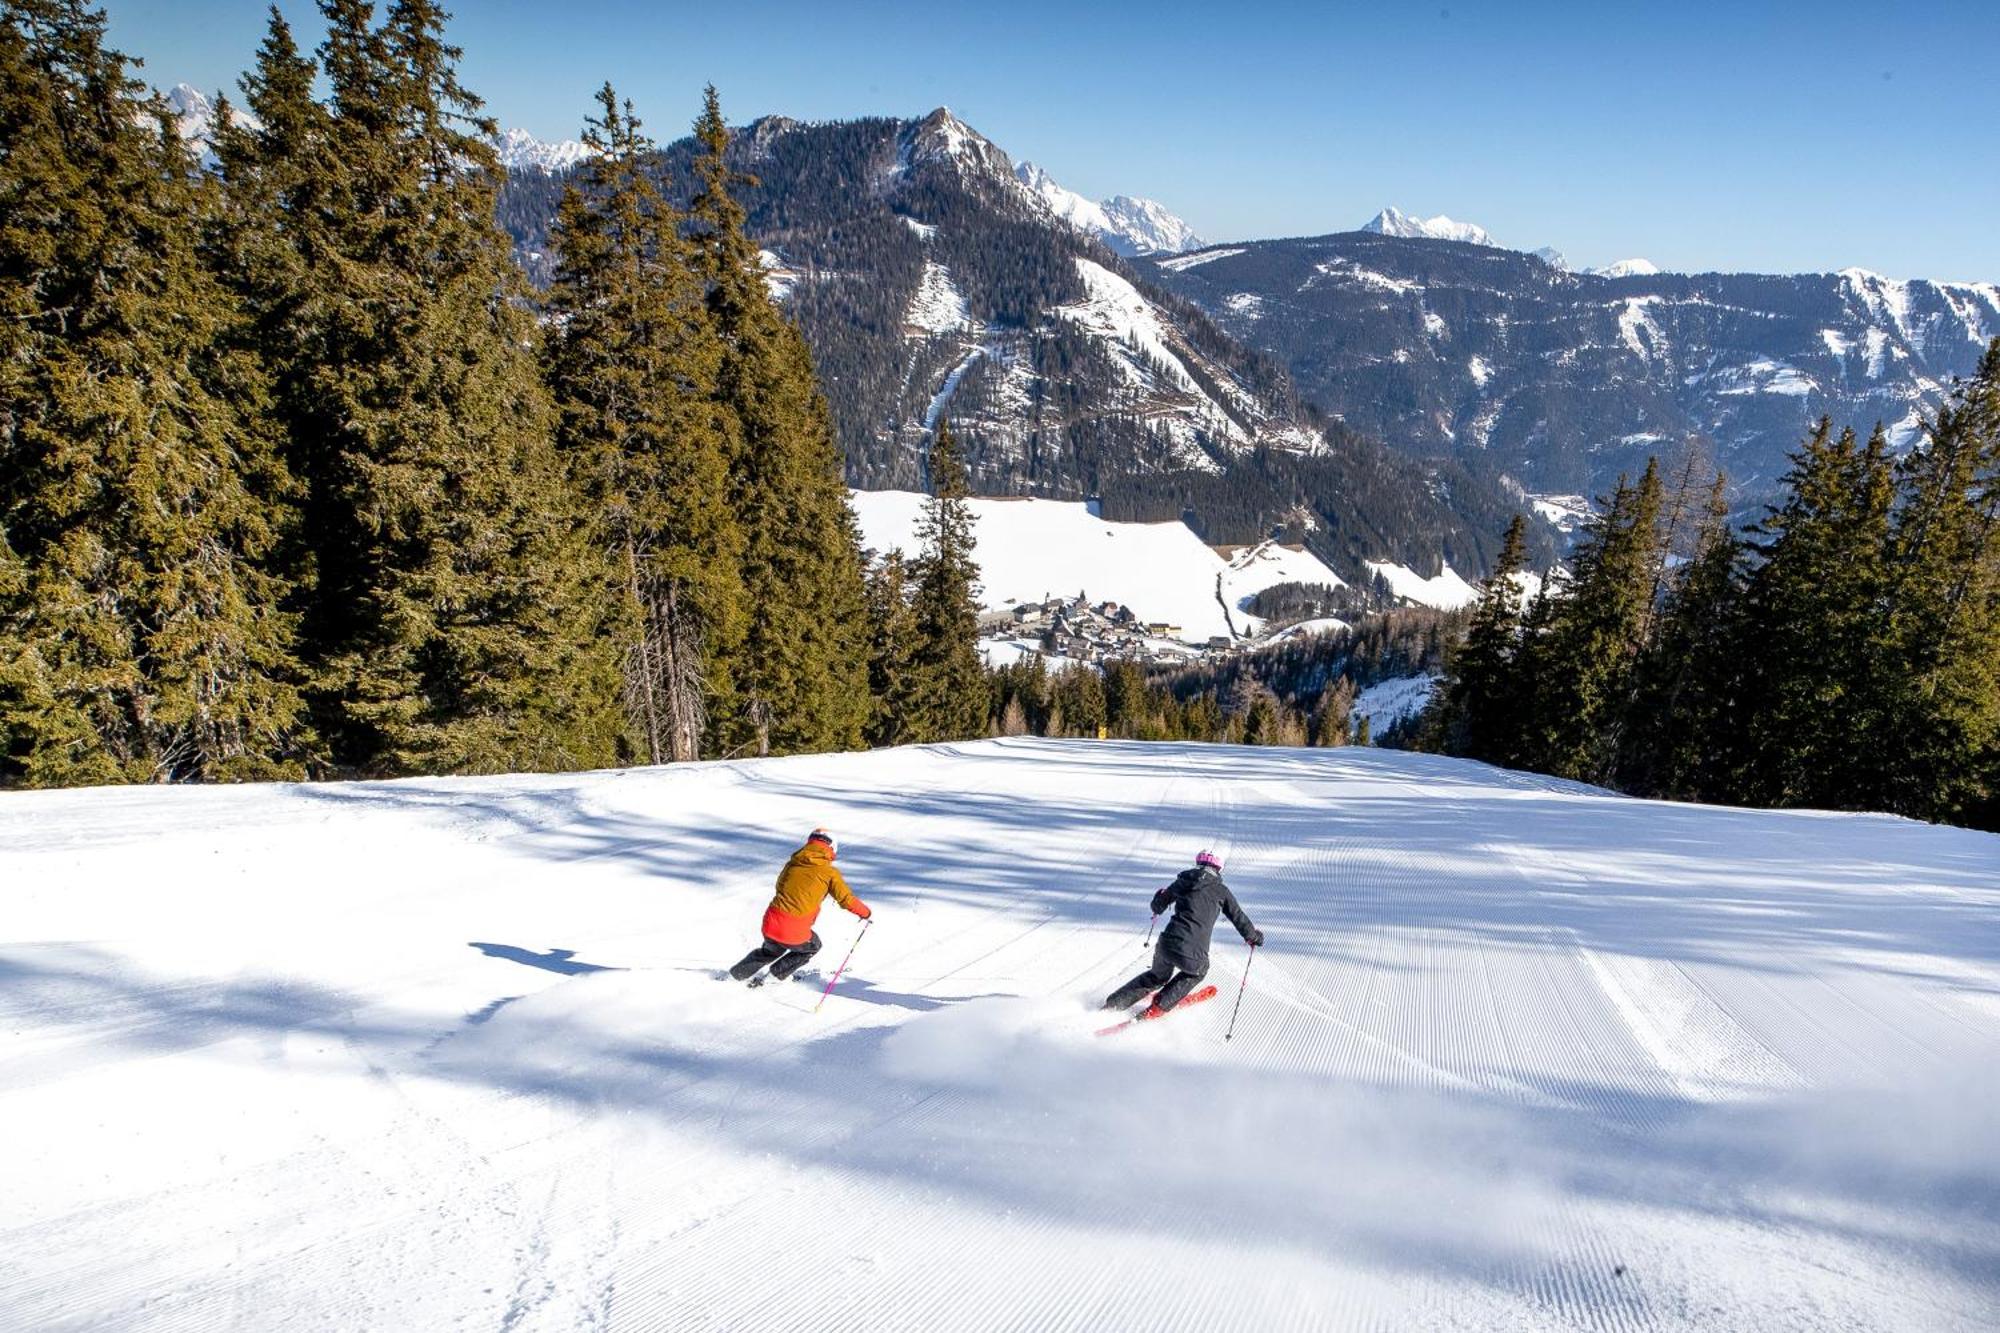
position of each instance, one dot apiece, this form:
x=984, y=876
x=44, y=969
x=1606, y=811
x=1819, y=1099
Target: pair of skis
x=1147, y=1015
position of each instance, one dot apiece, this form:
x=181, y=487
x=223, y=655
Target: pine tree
x=1077, y=702
x=1814, y=643
x=891, y=652
x=632, y=365
x=800, y=678
x=1260, y=719
x=1944, y=625
x=1677, y=741
x=1479, y=696
x=1333, y=723
x=946, y=703
x=1580, y=668
x=450, y=621
x=1126, y=707
x=141, y=635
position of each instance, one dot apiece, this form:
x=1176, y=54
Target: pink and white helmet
x=1209, y=859
x=821, y=835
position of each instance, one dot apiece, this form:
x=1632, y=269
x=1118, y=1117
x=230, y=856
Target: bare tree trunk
x=641, y=683
x=680, y=640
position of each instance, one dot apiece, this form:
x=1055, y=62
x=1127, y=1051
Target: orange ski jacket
x=803, y=885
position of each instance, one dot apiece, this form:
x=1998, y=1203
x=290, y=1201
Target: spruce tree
x=141, y=633
x=1479, y=694
x=892, y=651
x=1679, y=735
x=1577, y=669
x=947, y=686
x=1333, y=723
x=1126, y=706
x=800, y=677
x=632, y=364
x=1944, y=624
x=450, y=623
x=1814, y=643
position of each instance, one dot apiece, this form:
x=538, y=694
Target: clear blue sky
x=1702, y=134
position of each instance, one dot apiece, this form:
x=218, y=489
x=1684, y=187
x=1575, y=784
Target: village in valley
x=1079, y=630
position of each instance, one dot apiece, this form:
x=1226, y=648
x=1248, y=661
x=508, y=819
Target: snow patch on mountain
x=1566, y=513
x=1183, y=262
x=1346, y=270
x=1763, y=375
x=779, y=276
x=938, y=306
x=1127, y=225
x=1395, y=222
x=1446, y=590
x=1637, y=329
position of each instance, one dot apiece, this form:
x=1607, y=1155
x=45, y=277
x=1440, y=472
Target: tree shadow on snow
x=562, y=961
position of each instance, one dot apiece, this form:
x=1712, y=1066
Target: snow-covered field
x=449, y=1054
x=1029, y=550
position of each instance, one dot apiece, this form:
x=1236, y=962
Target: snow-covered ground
x=1388, y=702
x=1029, y=550
x=1520, y=1054
x=1446, y=590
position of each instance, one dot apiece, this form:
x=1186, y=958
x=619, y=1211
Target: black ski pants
x=1172, y=981
x=784, y=959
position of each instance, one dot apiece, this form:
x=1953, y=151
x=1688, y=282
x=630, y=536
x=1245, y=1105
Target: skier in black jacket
x=1196, y=895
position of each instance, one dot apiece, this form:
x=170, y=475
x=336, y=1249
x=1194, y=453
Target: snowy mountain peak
x=1627, y=268
x=194, y=119
x=194, y=113
x=1150, y=227
x=1553, y=257
x=521, y=150
x=1395, y=222
x=1127, y=225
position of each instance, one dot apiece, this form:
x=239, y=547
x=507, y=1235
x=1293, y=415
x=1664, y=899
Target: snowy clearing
x=1031, y=549
x=1445, y=590
x=1388, y=702
x=449, y=1054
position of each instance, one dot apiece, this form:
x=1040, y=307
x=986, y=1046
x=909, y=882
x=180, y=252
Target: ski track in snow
x=1520, y=1055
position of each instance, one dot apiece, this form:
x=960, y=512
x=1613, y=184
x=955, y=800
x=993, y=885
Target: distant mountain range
x=1564, y=380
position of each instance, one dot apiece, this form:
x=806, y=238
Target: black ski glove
x=1256, y=938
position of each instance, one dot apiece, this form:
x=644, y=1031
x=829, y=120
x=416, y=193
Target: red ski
x=1205, y=993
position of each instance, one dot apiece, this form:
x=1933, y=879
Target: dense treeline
x=1298, y=692
x=297, y=480
x=1845, y=653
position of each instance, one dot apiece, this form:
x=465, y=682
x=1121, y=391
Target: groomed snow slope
x=1032, y=549
x=1520, y=1055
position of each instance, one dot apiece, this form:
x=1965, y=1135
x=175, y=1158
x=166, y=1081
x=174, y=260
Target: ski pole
x=1149, y=932
x=843, y=962
x=1231, y=1034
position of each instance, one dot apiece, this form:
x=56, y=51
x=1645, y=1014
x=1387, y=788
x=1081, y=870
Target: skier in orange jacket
x=789, y=939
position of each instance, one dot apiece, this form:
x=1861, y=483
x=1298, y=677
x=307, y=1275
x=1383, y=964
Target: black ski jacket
x=1196, y=895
